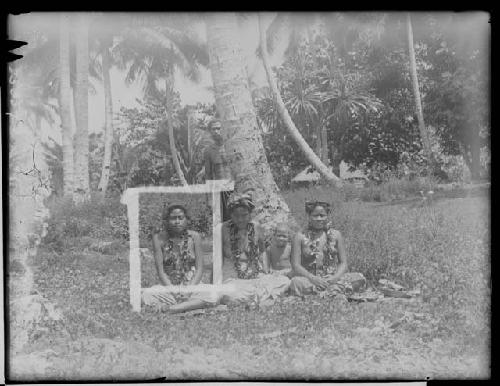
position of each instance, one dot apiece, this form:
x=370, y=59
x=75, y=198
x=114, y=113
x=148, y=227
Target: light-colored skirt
x=262, y=290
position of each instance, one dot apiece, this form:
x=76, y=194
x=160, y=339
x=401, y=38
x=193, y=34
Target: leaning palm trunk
x=324, y=145
x=170, y=127
x=285, y=116
x=108, y=122
x=65, y=107
x=82, y=188
x=424, y=135
x=242, y=141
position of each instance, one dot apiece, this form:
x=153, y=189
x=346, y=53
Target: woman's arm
x=198, y=274
x=226, y=242
x=159, y=260
x=342, y=257
x=208, y=164
x=265, y=261
x=261, y=242
x=296, y=257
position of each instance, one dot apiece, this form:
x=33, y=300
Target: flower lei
x=246, y=269
x=179, y=268
x=330, y=257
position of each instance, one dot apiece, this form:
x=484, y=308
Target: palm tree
x=308, y=152
x=105, y=47
x=82, y=188
x=64, y=107
x=165, y=50
x=170, y=126
x=242, y=138
x=424, y=135
x=105, y=28
x=44, y=58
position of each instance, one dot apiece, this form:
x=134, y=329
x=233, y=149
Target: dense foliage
x=353, y=81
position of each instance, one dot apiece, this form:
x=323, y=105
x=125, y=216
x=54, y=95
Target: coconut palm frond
x=267, y=113
x=277, y=30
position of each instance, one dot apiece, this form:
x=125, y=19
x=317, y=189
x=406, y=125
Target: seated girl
x=178, y=260
x=276, y=257
x=242, y=246
x=318, y=255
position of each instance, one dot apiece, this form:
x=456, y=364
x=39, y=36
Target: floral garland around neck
x=325, y=263
x=246, y=269
x=180, y=267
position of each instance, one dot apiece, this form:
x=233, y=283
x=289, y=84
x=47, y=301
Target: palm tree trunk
x=191, y=158
x=317, y=136
x=424, y=135
x=242, y=141
x=190, y=123
x=82, y=188
x=65, y=101
x=324, y=145
x=170, y=127
x=285, y=116
x=108, y=122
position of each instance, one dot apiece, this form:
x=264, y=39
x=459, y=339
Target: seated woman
x=276, y=257
x=318, y=255
x=179, y=261
x=242, y=246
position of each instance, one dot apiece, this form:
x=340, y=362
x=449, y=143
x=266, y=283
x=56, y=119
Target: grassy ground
x=443, y=335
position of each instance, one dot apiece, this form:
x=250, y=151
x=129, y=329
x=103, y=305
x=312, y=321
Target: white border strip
x=131, y=198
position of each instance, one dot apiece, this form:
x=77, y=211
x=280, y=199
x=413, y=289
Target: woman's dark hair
x=169, y=209
x=243, y=201
x=311, y=205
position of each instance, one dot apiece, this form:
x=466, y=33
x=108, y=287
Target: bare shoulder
x=334, y=234
x=195, y=235
x=159, y=238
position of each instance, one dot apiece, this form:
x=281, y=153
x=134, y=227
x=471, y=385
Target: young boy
x=277, y=255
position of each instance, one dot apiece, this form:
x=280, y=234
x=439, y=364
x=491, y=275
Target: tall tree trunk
x=108, y=121
x=318, y=144
x=190, y=123
x=65, y=101
x=170, y=127
x=324, y=145
x=323, y=135
x=285, y=116
x=82, y=189
x=242, y=141
x=424, y=135
x=190, y=126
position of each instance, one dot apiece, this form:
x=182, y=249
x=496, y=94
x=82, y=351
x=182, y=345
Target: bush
x=394, y=188
x=456, y=168
x=70, y=225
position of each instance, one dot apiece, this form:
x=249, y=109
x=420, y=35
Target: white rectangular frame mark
x=131, y=198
